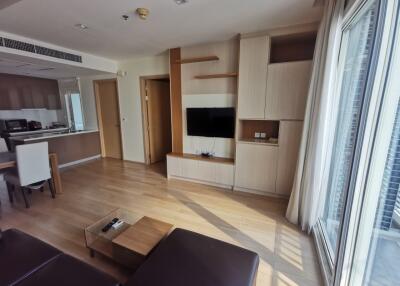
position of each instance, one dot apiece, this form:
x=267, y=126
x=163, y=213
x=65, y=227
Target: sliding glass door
x=359, y=229
x=356, y=60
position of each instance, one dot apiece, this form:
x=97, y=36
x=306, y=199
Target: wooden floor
x=287, y=256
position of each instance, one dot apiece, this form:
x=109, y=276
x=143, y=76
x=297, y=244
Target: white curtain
x=309, y=187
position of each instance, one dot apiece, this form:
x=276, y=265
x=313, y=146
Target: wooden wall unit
x=23, y=92
x=274, y=76
x=289, y=145
x=287, y=90
x=253, y=61
x=176, y=100
x=273, y=82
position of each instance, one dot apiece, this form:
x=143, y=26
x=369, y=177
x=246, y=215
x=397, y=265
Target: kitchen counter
x=70, y=147
x=37, y=135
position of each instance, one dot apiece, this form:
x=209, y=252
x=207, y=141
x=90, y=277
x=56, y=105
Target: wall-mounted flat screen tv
x=211, y=122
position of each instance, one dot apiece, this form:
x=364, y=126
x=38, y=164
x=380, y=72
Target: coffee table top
x=138, y=234
x=143, y=235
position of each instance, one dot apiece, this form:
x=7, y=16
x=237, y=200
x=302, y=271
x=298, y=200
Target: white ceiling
x=168, y=25
x=15, y=64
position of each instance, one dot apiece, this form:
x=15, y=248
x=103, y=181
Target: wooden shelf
x=257, y=141
x=201, y=158
x=197, y=60
x=220, y=75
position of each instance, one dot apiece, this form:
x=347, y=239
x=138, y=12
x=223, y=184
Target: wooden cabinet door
x=253, y=62
x=52, y=94
x=289, y=144
x=38, y=97
x=24, y=86
x=256, y=167
x=287, y=90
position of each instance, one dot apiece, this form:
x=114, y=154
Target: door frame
x=145, y=122
x=99, y=118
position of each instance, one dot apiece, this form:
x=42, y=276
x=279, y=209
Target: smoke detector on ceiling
x=143, y=13
x=82, y=26
x=180, y=2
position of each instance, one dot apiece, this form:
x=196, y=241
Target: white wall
x=130, y=104
x=129, y=100
x=220, y=147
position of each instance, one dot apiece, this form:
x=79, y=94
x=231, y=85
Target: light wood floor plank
x=287, y=256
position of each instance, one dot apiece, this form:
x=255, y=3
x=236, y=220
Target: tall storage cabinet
x=253, y=77
x=274, y=78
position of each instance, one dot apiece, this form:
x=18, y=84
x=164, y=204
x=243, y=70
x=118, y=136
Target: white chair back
x=3, y=145
x=33, y=163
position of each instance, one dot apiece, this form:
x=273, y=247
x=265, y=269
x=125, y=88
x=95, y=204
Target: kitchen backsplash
x=46, y=117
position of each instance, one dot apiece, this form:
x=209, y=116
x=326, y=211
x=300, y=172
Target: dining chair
x=32, y=172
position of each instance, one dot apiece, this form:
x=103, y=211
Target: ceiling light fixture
x=180, y=2
x=81, y=26
x=143, y=13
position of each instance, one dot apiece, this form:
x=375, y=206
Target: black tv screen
x=211, y=122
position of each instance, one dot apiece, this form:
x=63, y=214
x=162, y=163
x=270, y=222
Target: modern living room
x=186, y=142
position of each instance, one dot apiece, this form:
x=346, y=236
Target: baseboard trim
x=77, y=162
x=228, y=187
x=266, y=194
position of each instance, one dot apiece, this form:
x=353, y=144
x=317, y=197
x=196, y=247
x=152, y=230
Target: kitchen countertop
x=48, y=135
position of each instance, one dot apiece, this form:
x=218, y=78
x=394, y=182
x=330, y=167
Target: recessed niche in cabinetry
x=289, y=48
x=252, y=131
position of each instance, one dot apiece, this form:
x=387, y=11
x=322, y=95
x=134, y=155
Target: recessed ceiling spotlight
x=81, y=26
x=180, y=2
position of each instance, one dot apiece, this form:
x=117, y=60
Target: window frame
x=333, y=267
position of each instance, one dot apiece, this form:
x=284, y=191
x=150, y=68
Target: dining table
x=8, y=160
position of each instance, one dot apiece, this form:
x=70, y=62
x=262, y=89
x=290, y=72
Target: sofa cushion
x=187, y=258
x=22, y=254
x=68, y=271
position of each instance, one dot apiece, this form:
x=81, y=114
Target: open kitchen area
x=36, y=110
x=48, y=119
x=41, y=101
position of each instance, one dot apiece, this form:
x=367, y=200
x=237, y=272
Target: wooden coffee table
x=130, y=244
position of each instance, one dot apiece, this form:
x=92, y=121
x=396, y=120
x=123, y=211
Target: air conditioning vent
x=22, y=46
x=18, y=45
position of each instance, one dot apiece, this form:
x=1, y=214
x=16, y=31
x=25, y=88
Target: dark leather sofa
x=25, y=260
x=183, y=258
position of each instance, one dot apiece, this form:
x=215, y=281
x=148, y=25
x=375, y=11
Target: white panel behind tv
x=221, y=147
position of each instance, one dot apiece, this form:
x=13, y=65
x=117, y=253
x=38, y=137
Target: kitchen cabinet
x=256, y=167
x=253, y=60
x=289, y=146
x=22, y=92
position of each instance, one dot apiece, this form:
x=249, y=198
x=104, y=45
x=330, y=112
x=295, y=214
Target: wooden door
x=287, y=90
x=253, y=61
x=256, y=167
x=289, y=146
x=159, y=119
x=109, y=120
